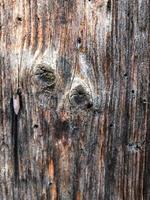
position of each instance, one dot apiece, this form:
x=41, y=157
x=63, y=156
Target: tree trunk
x=74, y=100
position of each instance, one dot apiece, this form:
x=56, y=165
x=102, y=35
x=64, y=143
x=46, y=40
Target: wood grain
x=74, y=99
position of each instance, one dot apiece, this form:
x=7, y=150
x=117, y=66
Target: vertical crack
x=14, y=135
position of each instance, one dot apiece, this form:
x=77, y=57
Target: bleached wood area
x=74, y=100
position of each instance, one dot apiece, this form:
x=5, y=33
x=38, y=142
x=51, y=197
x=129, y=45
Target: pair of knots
x=47, y=79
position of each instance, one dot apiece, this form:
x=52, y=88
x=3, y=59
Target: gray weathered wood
x=74, y=100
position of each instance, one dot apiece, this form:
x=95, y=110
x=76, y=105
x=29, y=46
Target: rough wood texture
x=74, y=100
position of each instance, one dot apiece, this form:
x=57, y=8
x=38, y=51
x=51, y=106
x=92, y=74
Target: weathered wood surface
x=74, y=100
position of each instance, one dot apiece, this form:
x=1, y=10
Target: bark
x=74, y=100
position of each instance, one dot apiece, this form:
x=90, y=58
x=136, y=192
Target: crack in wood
x=14, y=134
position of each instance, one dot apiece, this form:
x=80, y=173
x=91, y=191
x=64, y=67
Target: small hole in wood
x=50, y=183
x=132, y=91
x=35, y=126
x=125, y=74
x=144, y=101
x=19, y=19
x=79, y=40
x=111, y=125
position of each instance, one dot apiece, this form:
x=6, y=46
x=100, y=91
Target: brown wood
x=74, y=100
